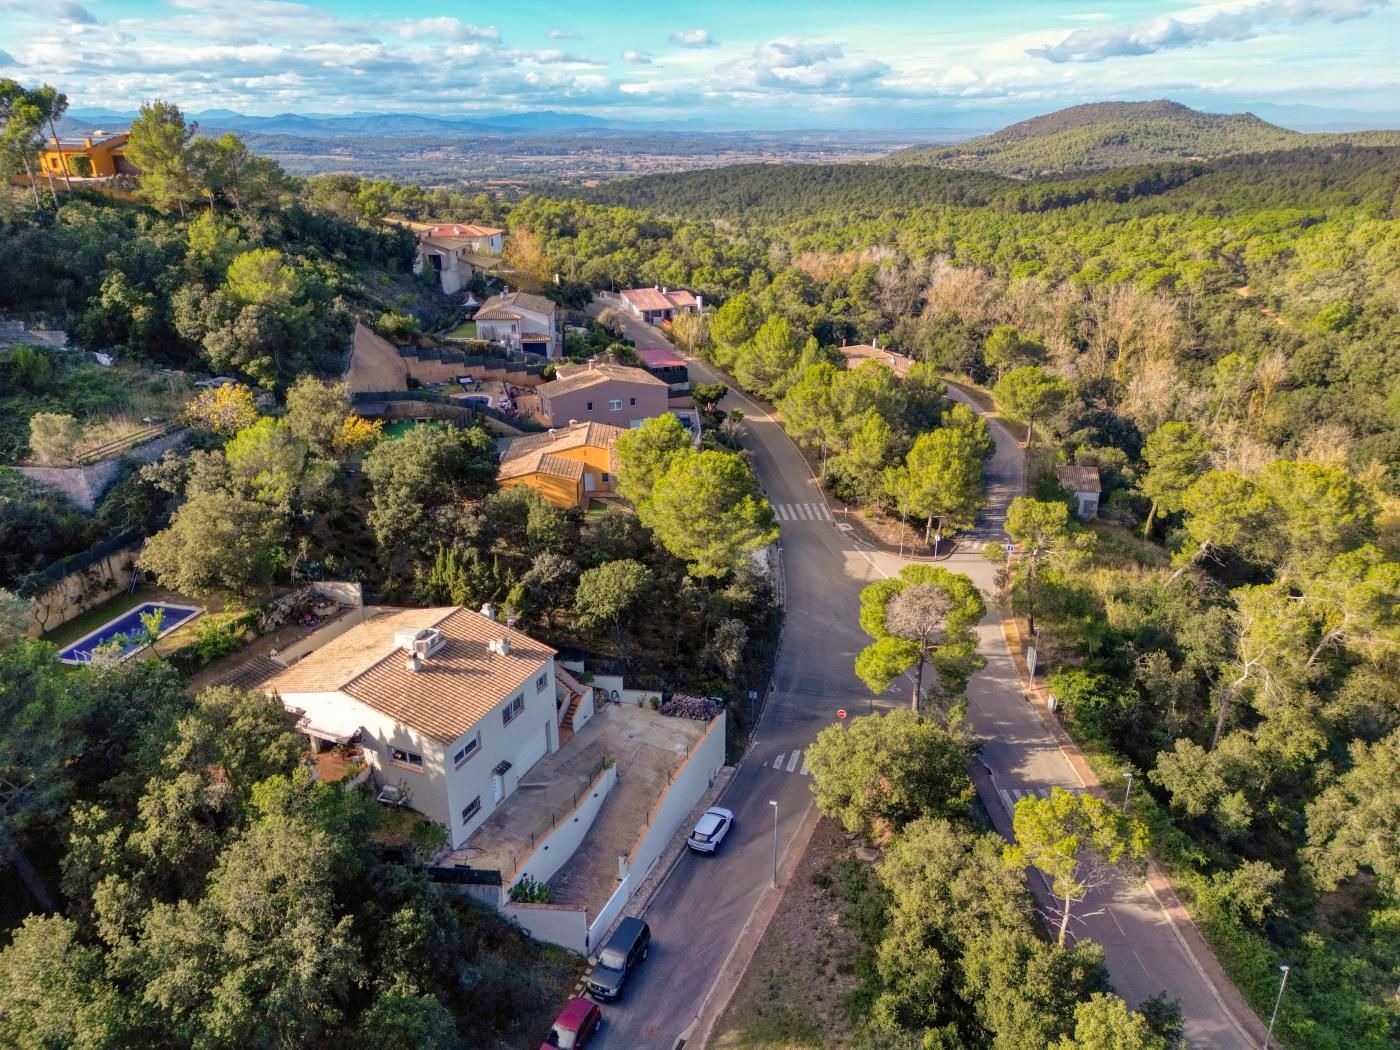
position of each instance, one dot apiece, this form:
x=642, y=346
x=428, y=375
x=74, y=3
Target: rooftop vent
x=420, y=642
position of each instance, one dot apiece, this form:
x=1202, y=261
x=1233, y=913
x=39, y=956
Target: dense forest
x=1221, y=345
x=1116, y=134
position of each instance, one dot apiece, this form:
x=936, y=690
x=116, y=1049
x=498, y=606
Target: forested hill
x=1117, y=134
x=772, y=193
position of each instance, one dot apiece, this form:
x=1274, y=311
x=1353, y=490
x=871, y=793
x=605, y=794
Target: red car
x=575, y=1027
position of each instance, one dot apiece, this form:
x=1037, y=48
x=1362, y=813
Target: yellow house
x=567, y=466
x=105, y=156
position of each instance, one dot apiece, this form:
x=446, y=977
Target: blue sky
x=777, y=63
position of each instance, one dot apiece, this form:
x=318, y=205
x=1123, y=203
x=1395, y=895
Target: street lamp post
x=774, y=804
x=1127, y=790
x=1274, y=1017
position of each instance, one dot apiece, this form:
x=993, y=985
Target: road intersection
x=700, y=911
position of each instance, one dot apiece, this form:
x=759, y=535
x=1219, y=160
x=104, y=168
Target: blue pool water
x=129, y=624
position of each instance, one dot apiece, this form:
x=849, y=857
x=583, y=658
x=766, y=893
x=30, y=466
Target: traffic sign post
x=841, y=714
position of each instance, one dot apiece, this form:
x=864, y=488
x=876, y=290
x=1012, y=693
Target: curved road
x=699, y=911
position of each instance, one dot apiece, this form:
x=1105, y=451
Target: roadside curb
x=736, y=964
x=1183, y=926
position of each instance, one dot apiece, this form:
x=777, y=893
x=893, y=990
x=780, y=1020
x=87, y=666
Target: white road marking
x=778, y=762
x=792, y=762
x=804, y=770
x=822, y=512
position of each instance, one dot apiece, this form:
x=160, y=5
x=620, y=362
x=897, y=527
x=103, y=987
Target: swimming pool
x=128, y=624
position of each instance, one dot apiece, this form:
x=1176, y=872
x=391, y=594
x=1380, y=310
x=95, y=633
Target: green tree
x=925, y=613
x=217, y=540
x=1319, y=512
x=1042, y=530
x=20, y=139
x=645, y=453
x=262, y=277
x=941, y=478
x=885, y=771
x=1355, y=603
x=1006, y=348
x=418, y=483
x=1076, y=840
x=707, y=510
x=160, y=146
x=765, y=363
x=708, y=395
x=809, y=409
x=54, y=990
x=1351, y=825
x=1104, y=1022
x=223, y=410
x=268, y=463
x=54, y=436
x=734, y=324
x=1223, y=511
x=52, y=105
x=607, y=595
x=1031, y=395
x=316, y=413
x=1176, y=454
x=401, y=1015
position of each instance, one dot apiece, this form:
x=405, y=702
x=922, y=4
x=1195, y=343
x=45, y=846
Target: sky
x=760, y=63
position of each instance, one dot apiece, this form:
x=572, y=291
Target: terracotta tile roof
x=520, y=301
x=681, y=297
x=659, y=357
x=560, y=467
x=594, y=373
x=453, y=689
x=648, y=299
x=470, y=230
x=496, y=313
x=526, y=455
x=1079, y=479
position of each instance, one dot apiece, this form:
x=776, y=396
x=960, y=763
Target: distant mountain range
x=1116, y=134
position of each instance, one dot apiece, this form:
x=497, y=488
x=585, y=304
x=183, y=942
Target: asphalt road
x=699, y=912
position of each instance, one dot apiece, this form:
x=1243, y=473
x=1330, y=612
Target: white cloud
x=694, y=38
x=444, y=28
x=60, y=10
x=565, y=34
x=554, y=56
x=799, y=64
x=637, y=58
x=1163, y=33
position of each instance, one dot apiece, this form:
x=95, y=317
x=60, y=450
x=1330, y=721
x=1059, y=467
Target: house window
x=471, y=810
x=541, y=682
x=401, y=757
x=590, y=406
x=466, y=751
x=512, y=709
x=632, y=403
x=605, y=478
x=615, y=404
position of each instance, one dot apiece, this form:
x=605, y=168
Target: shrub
x=213, y=636
x=530, y=891
x=53, y=436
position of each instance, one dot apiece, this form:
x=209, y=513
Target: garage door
x=532, y=752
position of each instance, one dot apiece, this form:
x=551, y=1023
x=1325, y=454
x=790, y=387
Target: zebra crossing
x=791, y=762
x=1011, y=796
x=801, y=512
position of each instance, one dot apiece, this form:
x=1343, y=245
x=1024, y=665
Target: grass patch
x=465, y=330
x=95, y=617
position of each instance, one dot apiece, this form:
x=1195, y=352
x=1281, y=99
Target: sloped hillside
x=1117, y=134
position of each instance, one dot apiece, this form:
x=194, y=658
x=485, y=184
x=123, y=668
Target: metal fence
x=120, y=445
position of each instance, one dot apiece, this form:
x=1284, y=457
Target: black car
x=627, y=947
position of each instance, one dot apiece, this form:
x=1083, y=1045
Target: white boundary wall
x=557, y=924
x=559, y=845
x=689, y=785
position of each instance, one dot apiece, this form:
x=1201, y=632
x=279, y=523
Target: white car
x=710, y=830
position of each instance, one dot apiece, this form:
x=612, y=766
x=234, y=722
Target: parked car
x=575, y=1027
x=626, y=948
x=710, y=830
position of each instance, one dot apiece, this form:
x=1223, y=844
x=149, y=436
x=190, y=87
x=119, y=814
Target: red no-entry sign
x=841, y=714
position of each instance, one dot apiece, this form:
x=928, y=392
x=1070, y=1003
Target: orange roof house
x=567, y=467
x=104, y=153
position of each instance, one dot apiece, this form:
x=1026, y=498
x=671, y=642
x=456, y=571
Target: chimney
x=413, y=663
x=488, y=610
x=664, y=289
x=699, y=304
x=499, y=646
